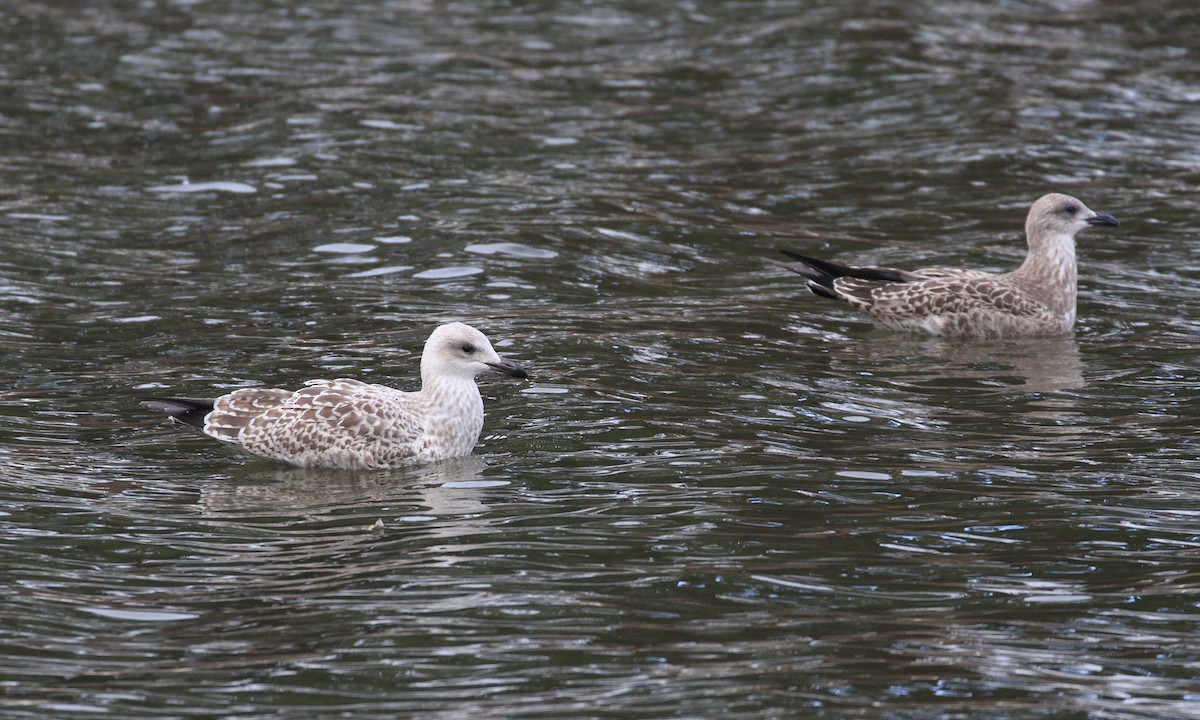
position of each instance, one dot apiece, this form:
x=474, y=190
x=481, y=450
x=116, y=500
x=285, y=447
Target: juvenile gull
x=1036, y=299
x=348, y=424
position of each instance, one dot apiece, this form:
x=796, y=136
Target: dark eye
x=468, y=349
x=1070, y=209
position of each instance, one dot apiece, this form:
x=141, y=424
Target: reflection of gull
x=448, y=487
x=1036, y=299
x=300, y=518
x=349, y=424
x=1036, y=364
x=918, y=382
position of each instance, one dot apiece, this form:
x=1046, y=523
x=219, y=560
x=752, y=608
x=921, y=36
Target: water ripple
x=720, y=494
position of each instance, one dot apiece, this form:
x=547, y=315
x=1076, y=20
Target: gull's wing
x=976, y=294
x=325, y=416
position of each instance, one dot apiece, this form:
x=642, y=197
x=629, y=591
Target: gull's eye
x=1070, y=209
x=468, y=349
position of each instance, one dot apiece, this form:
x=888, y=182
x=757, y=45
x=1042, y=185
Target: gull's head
x=1058, y=216
x=458, y=350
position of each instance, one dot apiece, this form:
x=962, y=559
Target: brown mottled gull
x=349, y=424
x=1036, y=299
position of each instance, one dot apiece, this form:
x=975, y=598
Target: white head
x=1057, y=216
x=456, y=350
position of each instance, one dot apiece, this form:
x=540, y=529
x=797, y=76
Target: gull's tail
x=190, y=411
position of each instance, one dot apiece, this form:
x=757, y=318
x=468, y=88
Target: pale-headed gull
x=349, y=424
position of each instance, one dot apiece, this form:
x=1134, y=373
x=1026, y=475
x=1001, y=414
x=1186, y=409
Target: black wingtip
x=797, y=256
x=190, y=411
x=825, y=268
x=825, y=271
x=820, y=279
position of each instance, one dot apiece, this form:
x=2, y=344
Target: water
x=719, y=494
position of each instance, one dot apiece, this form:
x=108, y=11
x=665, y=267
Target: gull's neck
x=454, y=412
x=449, y=390
x=1049, y=272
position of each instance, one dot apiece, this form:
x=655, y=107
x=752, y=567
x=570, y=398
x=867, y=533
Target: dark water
x=719, y=496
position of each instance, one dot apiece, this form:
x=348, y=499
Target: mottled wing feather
x=928, y=282
x=232, y=412
x=940, y=296
x=339, y=417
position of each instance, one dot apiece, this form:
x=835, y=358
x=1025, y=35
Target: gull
x=1036, y=299
x=348, y=424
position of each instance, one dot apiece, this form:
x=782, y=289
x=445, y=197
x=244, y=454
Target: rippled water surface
x=719, y=495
